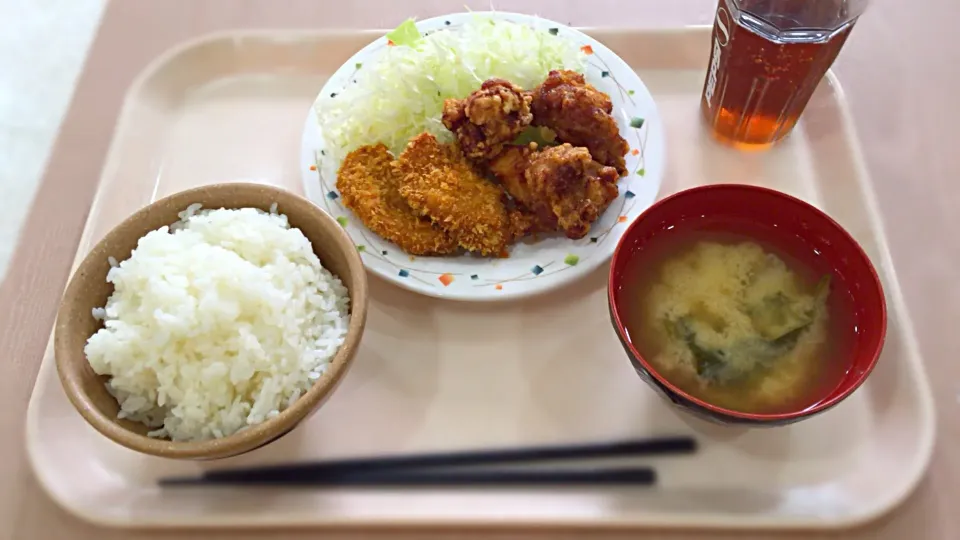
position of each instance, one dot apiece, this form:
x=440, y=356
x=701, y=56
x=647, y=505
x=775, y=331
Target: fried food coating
x=562, y=185
x=368, y=182
x=510, y=169
x=524, y=223
x=580, y=115
x=439, y=182
x=489, y=118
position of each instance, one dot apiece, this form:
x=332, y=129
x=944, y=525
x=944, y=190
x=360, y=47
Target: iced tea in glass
x=766, y=59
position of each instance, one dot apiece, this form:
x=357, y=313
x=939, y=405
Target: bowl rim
x=715, y=409
x=254, y=436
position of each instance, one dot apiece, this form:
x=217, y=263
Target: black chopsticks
x=632, y=476
x=469, y=468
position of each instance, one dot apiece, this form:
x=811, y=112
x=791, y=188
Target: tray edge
x=893, y=292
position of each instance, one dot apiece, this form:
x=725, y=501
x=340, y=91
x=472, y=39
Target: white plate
x=532, y=267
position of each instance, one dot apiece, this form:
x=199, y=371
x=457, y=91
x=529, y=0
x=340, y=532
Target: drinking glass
x=766, y=59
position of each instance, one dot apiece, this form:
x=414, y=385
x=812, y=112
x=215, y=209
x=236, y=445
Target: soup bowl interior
x=88, y=289
x=794, y=228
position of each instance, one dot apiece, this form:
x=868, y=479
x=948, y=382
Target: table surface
x=899, y=69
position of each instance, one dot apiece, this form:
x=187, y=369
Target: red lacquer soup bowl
x=774, y=219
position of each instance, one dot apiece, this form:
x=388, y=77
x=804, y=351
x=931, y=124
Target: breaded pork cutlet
x=368, y=183
x=439, y=182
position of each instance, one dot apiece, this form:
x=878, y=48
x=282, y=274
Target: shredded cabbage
x=401, y=94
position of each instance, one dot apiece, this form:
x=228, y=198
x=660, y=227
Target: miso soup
x=737, y=322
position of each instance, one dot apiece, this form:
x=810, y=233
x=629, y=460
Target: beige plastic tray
x=434, y=374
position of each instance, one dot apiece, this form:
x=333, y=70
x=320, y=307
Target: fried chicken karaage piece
x=439, y=182
x=580, y=115
x=489, y=118
x=562, y=185
x=368, y=183
x=510, y=169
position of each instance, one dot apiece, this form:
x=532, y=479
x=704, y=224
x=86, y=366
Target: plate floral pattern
x=532, y=267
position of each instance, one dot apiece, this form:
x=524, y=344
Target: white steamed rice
x=217, y=323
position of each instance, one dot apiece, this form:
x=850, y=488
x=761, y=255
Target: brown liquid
x=760, y=87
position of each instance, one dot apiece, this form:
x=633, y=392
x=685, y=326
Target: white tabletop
x=42, y=48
